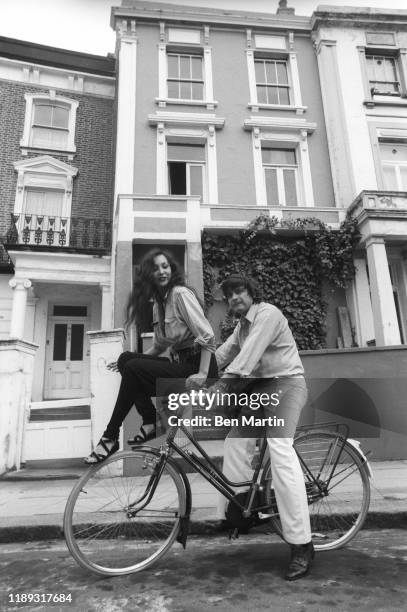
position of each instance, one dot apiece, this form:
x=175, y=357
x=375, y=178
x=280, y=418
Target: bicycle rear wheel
x=101, y=534
x=337, y=485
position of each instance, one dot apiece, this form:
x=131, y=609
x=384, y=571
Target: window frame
x=282, y=200
x=372, y=97
x=289, y=56
x=169, y=46
x=267, y=85
x=390, y=164
x=45, y=174
x=190, y=81
x=189, y=163
x=51, y=98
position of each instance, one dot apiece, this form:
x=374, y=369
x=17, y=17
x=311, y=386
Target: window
x=49, y=123
x=43, y=201
x=42, y=221
x=186, y=169
x=281, y=176
x=185, y=76
x=394, y=166
x=382, y=74
x=272, y=81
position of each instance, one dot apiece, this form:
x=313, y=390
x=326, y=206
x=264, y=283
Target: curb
x=33, y=533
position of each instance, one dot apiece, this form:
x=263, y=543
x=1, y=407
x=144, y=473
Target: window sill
x=298, y=110
x=210, y=104
x=25, y=149
x=389, y=101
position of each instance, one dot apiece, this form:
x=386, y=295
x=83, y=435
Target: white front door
x=67, y=361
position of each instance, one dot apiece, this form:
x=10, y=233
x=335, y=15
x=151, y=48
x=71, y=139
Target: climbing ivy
x=289, y=260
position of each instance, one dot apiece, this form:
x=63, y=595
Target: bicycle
x=124, y=514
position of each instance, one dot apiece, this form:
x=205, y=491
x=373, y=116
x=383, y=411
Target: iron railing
x=51, y=231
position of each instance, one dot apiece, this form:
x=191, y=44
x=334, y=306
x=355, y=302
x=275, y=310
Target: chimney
x=283, y=9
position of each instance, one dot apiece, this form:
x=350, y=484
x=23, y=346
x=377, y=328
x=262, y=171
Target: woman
x=179, y=325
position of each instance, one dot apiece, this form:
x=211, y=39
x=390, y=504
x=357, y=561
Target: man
x=262, y=347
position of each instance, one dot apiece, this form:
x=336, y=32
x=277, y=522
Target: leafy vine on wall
x=289, y=260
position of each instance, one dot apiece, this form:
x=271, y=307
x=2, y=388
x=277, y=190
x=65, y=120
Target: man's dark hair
x=239, y=280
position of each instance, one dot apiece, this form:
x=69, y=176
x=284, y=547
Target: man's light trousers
x=287, y=476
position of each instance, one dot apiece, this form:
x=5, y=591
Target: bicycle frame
x=217, y=479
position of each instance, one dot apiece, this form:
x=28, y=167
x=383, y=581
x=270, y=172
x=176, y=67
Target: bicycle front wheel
x=121, y=517
x=337, y=486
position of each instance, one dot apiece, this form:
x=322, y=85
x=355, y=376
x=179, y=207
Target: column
x=126, y=110
x=105, y=347
x=19, y=306
x=385, y=322
x=360, y=304
x=194, y=247
x=336, y=123
x=106, y=316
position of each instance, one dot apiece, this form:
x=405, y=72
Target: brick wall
x=93, y=186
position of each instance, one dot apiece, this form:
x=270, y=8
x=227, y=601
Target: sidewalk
x=33, y=509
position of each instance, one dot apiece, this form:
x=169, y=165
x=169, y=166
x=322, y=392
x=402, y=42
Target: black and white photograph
x=203, y=305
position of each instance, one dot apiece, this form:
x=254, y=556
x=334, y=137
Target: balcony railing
x=51, y=231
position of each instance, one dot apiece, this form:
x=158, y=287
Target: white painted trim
x=276, y=123
x=208, y=84
x=208, y=137
x=184, y=35
x=260, y=183
x=71, y=80
x=252, y=77
x=162, y=72
x=299, y=141
x=126, y=116
x=68, y=268
x=293, y=79
x=298, y=110
x=191, y=46
x=30, y=99
x=46, y=173
x=185, y=119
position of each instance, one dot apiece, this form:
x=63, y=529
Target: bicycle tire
x=337, y=516
x=99, y=534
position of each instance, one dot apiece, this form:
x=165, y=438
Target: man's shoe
x=300, y=562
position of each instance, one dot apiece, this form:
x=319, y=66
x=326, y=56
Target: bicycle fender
x=184, y=520
x=366, y=464
x=184, y=527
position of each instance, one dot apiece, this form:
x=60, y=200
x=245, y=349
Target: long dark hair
x=144, y=288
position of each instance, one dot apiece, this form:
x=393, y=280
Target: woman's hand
x=112, y=366
x=195, y=381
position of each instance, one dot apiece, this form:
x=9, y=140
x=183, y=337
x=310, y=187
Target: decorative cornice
x=358, y=17
x=36, y=164
x=160, y=11
x=286, y=123
x=186, y=119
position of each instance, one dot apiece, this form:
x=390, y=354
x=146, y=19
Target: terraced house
x=56, y=189
x=216, y=117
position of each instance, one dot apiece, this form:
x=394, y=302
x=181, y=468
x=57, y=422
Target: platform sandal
x=105, y=447
x=143, y=436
